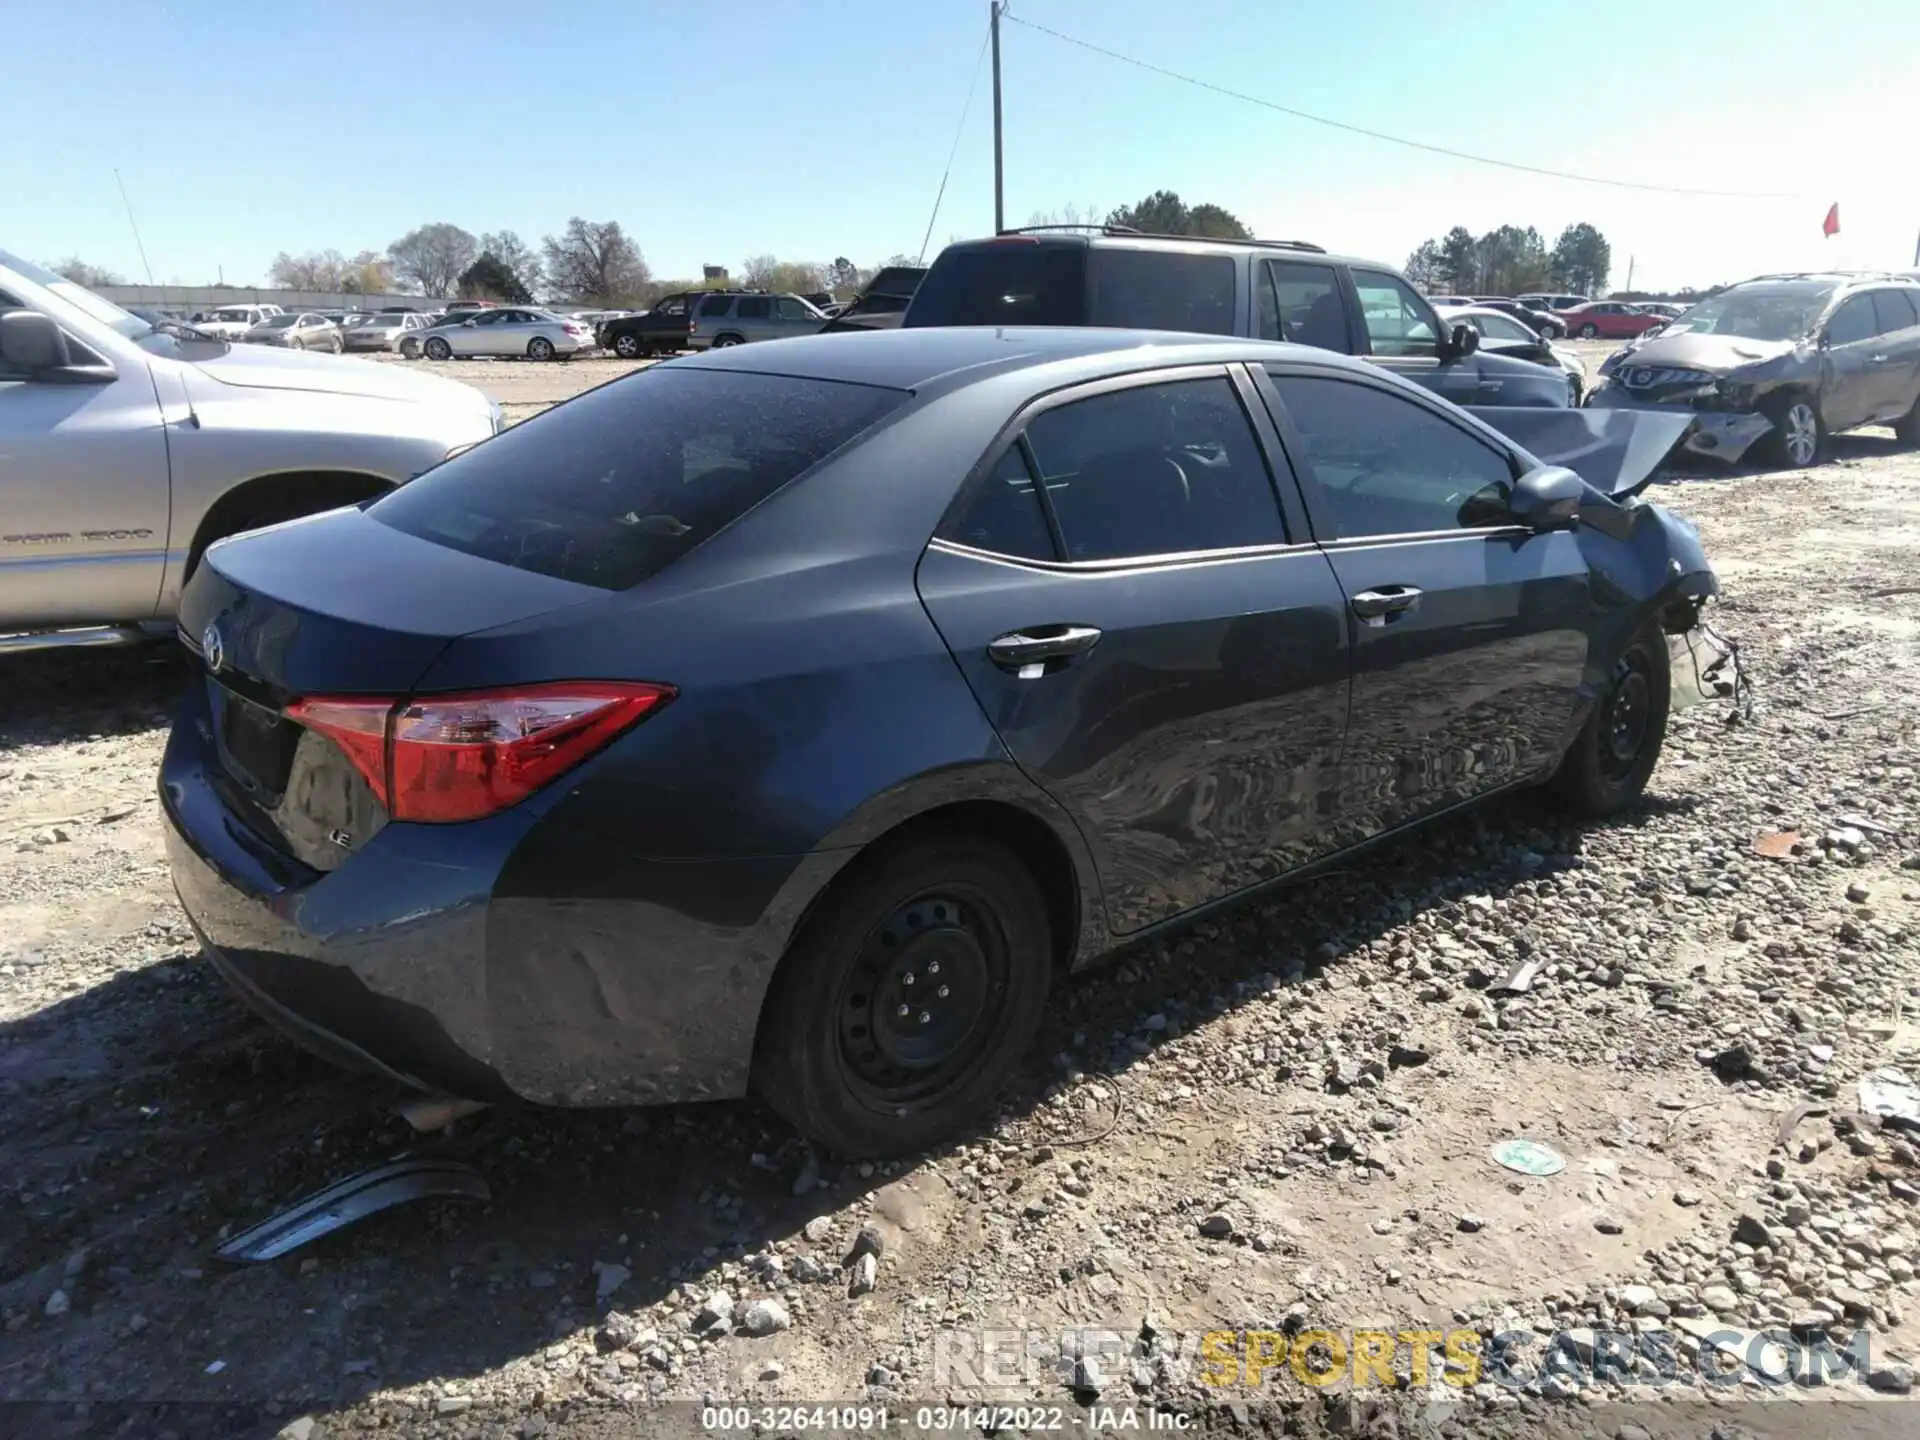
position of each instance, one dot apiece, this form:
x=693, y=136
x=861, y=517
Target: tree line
x=1512, y=261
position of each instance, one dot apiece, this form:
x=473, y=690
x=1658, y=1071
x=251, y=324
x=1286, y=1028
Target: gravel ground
x=1281, y=1120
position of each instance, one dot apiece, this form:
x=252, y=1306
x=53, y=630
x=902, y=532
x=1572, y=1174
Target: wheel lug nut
x=907, y=979
x=924, y=1017
x=943, y=992
x=933, y=967
x=904, y=1011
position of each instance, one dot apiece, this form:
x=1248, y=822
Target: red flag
x=1830, y=226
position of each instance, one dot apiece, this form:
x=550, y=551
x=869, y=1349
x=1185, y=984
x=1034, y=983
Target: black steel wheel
x=1611, y=759
x=908, y=999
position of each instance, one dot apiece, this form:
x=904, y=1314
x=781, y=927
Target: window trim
x=1826, y=325
x=1326, y=533
x=1342, y=289
x=1012, y=432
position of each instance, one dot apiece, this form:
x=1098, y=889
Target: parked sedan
x=791, y=716
x=305, y=331
x=1501, y=334
x=384, y=331
x=1608, y=320
x=536, y=334
x=1541, y=322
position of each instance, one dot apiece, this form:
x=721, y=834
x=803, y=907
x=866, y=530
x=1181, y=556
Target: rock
x=1343, y=1075
x=300, y=1429
x=1719, y=1299
x=807, y=1270
x=453, y=1405
x=765, y=1317
x=881, y=1375
x=1687, y=1199
x=1408, y=1052
x=866, y=1274
x=1639, y=1298
x=1750, y=1229
x=1858, y=893
x=817, y=1229
x=867, y=1240
x=616, y=1332
x=1892, y=1378
x=772, y=1370
x=1087, y=1378
x=1469, y=1224
x=1155, y=1022
x=1218, y=1226
x=1607, y=1225
x=608, y=1278
x=715, y=1312
x=809, y=1177
x=58, y=1303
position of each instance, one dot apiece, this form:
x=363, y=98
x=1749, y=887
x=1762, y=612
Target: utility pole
x=999, y=162
x=1629, y=274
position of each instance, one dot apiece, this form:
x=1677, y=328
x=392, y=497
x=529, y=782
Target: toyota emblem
x=213, y=649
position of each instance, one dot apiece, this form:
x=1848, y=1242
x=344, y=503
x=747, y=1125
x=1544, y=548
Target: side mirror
x=1462, y=341
x=1547, y=499
x=31, y=344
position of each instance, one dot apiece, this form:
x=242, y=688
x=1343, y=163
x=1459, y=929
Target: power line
x=958, y=130
x=1381, y=134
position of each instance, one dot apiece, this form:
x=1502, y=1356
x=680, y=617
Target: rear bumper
x=478, y=960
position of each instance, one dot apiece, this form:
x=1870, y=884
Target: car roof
x=937, y=356
x=1120, y=239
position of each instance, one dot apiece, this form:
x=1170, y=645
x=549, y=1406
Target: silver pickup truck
x=126, y=450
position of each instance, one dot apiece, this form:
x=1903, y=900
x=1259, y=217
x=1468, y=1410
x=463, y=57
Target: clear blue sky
x=815, y=128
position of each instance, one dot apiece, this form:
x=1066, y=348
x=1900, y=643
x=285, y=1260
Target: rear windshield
x=1015, y=284
x=615, y=486
x=1003, y=284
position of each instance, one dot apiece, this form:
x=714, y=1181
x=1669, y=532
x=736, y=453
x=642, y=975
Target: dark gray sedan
x=790, y=717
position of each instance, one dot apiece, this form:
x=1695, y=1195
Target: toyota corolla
x=789, y=718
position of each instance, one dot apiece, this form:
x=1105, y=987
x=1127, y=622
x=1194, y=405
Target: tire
x=540, y=348
x=438, y=349
x=1799, y=437
x=1589, y=331
x=409, y=349
x=720, y=342
x=1608, y=765
x=1553, y=331
x=335, y=345
x=836, y=1056
x=628, y=347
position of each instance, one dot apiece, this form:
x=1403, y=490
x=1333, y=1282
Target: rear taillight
x=443, y=758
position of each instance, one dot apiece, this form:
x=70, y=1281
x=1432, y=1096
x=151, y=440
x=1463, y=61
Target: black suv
x=662, y=330
x=1780, y=362
x=1268, y=289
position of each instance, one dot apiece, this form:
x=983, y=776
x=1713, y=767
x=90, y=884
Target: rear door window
x=1893, y=310
x=1161, y=290
x=1155, y=469
x=753, y=307
x=614, y=486
x=715, y=305
x=1398, y=321
x=1003, y=283
x=1002, y=514
x=1302, y=303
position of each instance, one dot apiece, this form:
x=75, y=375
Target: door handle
x=1040, y=644
x=1376, y=607
x=1878, y=359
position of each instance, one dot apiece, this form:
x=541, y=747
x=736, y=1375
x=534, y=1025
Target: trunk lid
x=310, y=608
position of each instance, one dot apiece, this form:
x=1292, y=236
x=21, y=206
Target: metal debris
x=1890, y=1095
x=354, y=1198
x=1528, y=1157
x=1519, y=979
